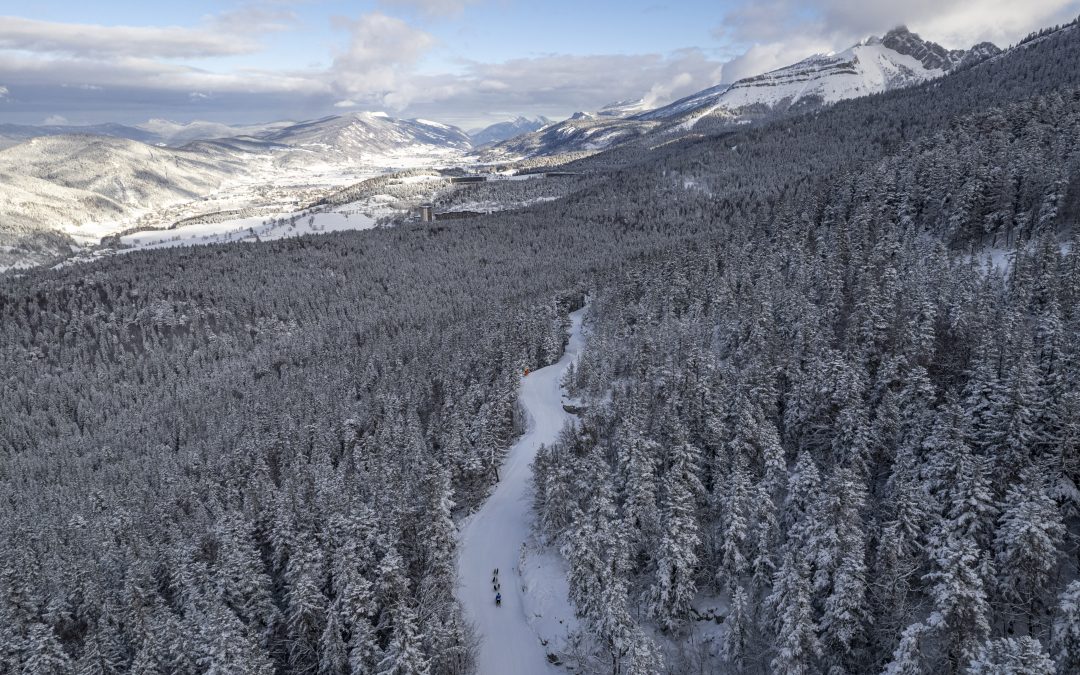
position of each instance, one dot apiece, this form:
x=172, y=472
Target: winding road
x=492, y=537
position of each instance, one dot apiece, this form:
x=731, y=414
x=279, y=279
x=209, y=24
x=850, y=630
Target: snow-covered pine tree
x=797, y=648
x=403, y=656
x=638, y=458
x=674, y=584
x=1065, y=640
x=306, y=620
x=1027, y=546
x=245, y=586
x=961, y=609
x=738, y=628
x=228, y=647
x=1012, y=656
x=42, y=653
x=841, y=569
x=333, y=652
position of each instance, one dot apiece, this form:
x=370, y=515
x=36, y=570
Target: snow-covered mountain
x=153, y=131
x=353, y=137
x=502, y=131
x=899, y=59
x=583, y=132
x=626, y=108
x=80, y=185
x=13, y=134
x=85, y=186
x=369, y=137
x=181, y=133
x=64, y=183
x=93, y=178
x=932, y=55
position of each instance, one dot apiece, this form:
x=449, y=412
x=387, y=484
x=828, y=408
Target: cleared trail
x=492, y=537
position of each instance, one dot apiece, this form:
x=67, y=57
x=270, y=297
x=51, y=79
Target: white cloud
x=592, y=81
x=87, y=40
x=663, y=92
x=432, y=7
x=151, y=75
x=840, y=23
x=55, y=120
x=774, y=33
x=558, y=84
x=3, y=92
x=377, y=67
x=960, y=24
x=254, y=18
x=954, y=23
x=379, y=63
x=761, y=58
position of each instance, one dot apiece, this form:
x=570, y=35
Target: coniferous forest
x=831, y=377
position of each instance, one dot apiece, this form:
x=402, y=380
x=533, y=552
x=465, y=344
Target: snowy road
x=492, y=537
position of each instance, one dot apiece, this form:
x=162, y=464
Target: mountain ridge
x=54, y=184
x=898, y=59
x=501, y=131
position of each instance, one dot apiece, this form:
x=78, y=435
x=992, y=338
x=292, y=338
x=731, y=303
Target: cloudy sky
x=465, y=62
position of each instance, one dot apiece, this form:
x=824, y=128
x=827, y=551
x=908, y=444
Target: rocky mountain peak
x=932, y=55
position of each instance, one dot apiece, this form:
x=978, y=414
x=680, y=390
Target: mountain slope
x=506, y=130
x=66, y=183
x=626, y=108
x=13, y=134
x=900, y=59
x=584, y=132
x=178, y=134
x=86, y=186
x=154, y=131
x=369, y=137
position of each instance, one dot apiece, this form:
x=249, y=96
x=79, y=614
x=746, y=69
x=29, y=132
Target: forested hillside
x=809, y=395
x=869, y=446
x=856, y=423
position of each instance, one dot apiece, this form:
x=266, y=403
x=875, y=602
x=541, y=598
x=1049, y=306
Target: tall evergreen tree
x=797, y=645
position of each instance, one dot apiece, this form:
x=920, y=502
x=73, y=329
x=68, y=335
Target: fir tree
x=1012, y=656
x=1027, y=543
x=797, y=645
x=403, y=656
x=736, y=647
x=43, y=654
x=676, y=559
x=1065, y=643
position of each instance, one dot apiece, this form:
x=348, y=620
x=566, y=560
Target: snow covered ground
x=545, y=573
x=261, y=228
x=534, y=602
